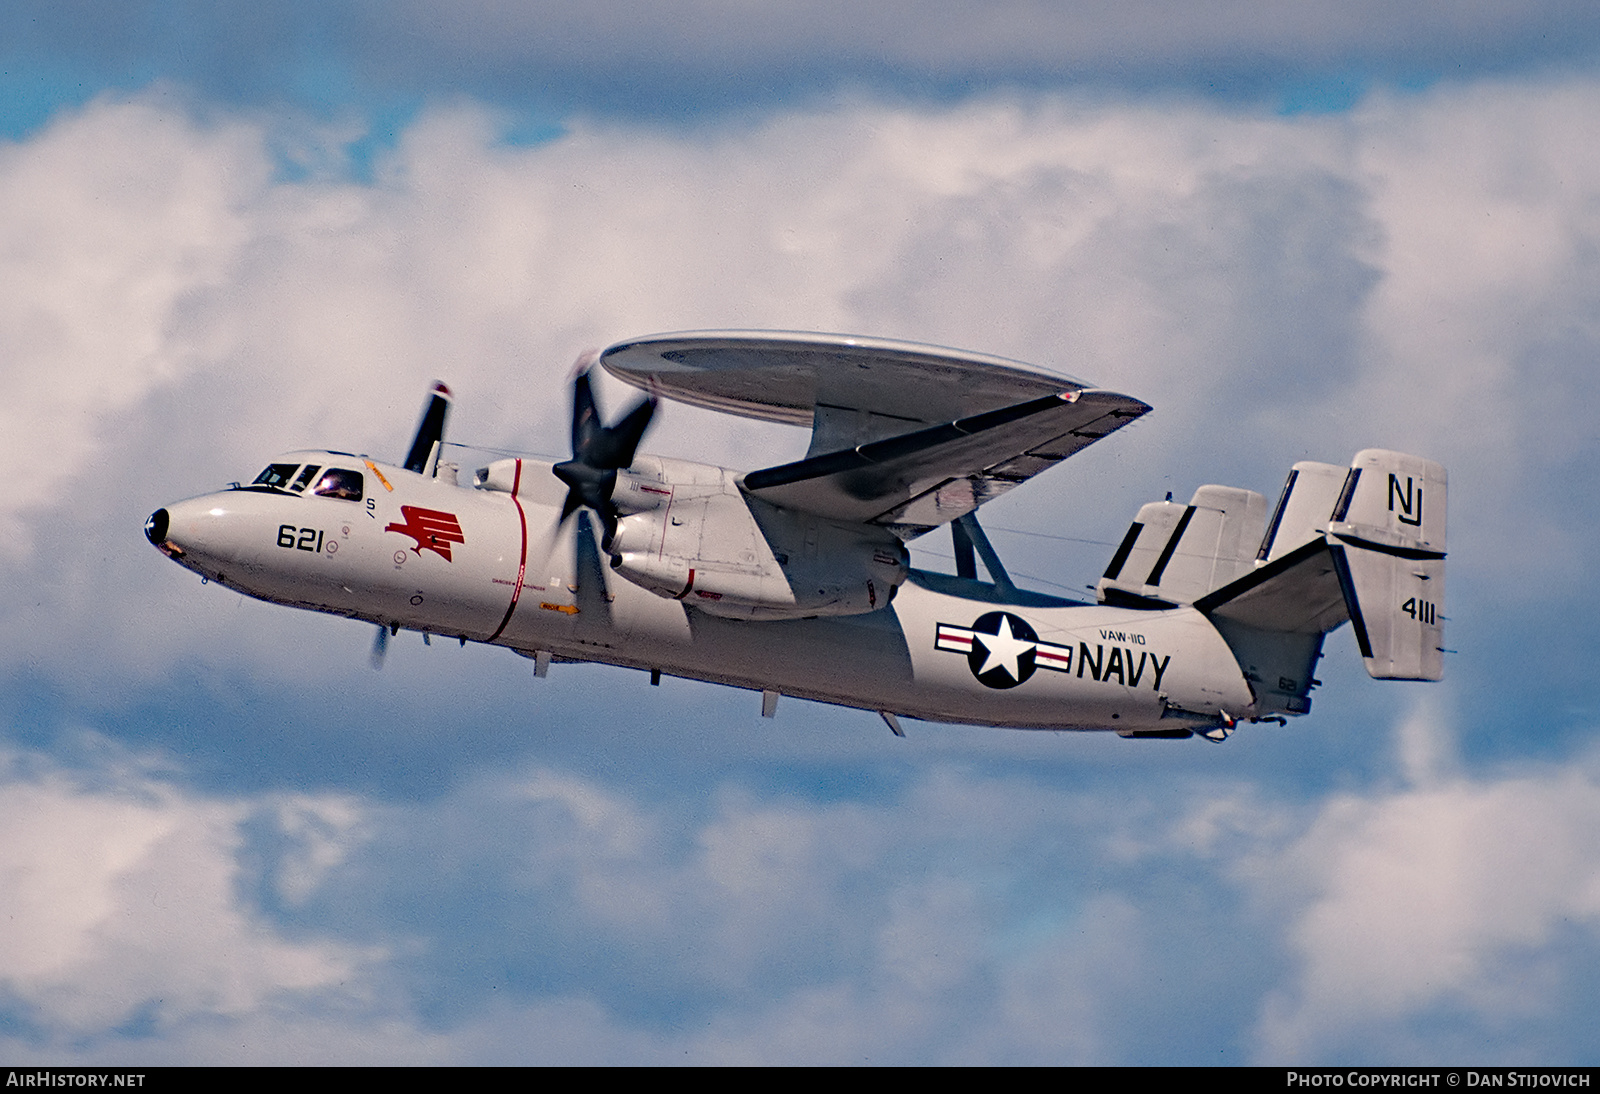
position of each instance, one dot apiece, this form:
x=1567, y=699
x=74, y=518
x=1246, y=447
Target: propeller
x=429, y=437
x=598, y=453
x=380, y=645
x=423, y=458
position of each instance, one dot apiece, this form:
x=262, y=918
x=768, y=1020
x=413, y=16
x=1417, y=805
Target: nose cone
x=157, y=527
x=192, y=533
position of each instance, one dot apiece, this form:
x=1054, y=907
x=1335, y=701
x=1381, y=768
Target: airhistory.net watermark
x=46, y=1077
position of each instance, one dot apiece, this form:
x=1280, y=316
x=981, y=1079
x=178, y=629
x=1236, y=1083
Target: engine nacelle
x=691, y=534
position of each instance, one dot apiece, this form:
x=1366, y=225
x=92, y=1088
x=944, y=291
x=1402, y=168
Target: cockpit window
x=276, y=475
x=305, y=477
x=336, y=482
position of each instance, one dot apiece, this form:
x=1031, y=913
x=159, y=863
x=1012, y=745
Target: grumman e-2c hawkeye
x=795, y=579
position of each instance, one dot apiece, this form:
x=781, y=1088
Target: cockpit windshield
x=276, y=475
x=336, y=482
x=304, y=477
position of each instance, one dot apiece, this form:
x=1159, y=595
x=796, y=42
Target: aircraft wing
x=922, y=479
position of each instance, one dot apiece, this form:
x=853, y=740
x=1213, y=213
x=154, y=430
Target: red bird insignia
x=432, y=529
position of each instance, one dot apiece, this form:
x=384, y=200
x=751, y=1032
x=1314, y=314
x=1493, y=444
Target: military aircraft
x=796, y=580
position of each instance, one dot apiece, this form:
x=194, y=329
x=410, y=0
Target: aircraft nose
x=158, y=530
x=211, y=532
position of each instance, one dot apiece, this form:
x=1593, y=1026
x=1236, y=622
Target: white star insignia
x=1005, y=650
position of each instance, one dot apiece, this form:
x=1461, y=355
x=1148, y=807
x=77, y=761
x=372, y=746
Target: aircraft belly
x=1084, y=666
x=1078, y=667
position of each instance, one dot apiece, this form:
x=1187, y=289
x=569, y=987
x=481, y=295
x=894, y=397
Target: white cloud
x=323, y=831
x=1220, y=265
x=137, y=927
x=1459, y=894
x=121, y=906
x=553, y=917
x=116, y=220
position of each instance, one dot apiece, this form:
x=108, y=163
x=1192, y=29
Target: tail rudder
x=1387, y=538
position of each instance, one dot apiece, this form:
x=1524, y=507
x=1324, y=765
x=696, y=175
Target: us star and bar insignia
x=1002, y=649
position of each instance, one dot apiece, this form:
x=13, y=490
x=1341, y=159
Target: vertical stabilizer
x=1303, y=508
x=1178, y=553
x=1387, y=537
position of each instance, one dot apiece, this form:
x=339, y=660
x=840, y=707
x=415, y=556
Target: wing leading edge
x=920, y=480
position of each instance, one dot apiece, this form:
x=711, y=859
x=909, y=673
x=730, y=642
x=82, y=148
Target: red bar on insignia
x=1047, y=655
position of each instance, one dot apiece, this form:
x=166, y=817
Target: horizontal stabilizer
x=1296, y=593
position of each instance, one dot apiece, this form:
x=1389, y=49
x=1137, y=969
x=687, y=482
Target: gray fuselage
x=497, y=566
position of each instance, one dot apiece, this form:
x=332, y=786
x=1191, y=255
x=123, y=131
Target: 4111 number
x=1423, y=611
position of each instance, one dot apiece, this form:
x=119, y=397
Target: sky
x=1296, y=230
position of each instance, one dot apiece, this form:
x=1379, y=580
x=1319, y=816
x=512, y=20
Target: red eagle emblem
x=433, y=530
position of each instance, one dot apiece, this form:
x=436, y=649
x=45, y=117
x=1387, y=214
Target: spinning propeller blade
x=430, y=430
x=422, y=457
x=598, y=453
x=380, y=646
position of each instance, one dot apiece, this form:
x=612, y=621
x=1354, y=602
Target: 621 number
x=299, y=539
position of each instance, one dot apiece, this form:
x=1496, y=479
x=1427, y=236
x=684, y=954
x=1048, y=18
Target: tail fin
x=1364, y=543
x=1374, y=556
x=1302, y=513
x=1387, y=539
x=1175, y=554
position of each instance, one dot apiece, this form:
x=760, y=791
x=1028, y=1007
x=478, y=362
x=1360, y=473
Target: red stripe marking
x=522, y=559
